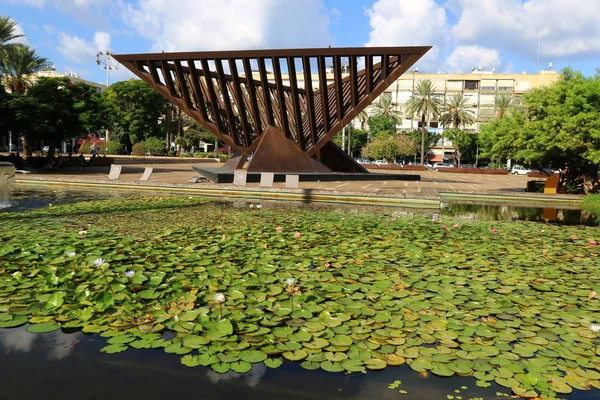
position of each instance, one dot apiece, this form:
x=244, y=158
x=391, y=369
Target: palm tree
x=7, y=30
x=455, y=113
x=424, y=104
x=20, y=61
x=386, y=108
x=363, y=117
x=502, y=105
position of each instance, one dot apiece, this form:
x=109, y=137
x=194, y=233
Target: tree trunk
x=423, y=139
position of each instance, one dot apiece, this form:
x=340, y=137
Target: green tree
x=137, y=111
x=390, y=147
x=386, y=108
x=381, y=126
x=19, y=62
x=465, y=144
x=502, y=105
x=455, y=114
x=423, y=103
x=499, y=138
x=431, y=138
x=358, y=138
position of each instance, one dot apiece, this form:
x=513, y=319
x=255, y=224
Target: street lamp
x=105, y=58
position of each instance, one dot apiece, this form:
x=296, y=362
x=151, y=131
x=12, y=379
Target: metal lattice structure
x=242, y=98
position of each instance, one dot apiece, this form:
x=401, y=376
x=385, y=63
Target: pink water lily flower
x=444, y=227
x=454, y=226
x=279, y=229
x=592, y=242
x=544, y=252
x=297, y=235
x=493, y=230
x=592, y=295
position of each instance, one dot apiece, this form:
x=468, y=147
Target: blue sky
x=500, y=34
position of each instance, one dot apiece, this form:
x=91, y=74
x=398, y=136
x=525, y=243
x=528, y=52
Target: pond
x=177, y=296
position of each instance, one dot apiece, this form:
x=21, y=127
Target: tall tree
x=381, y=125
x=138, y=111
x=18, y=64
x=502, y=105
x=455, y=114
x=390, y=147
x=423, y=103
x=386, y=108
x=7, y=30
x=465, y=144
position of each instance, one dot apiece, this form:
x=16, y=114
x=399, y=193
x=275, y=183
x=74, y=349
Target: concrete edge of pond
x=302, y=195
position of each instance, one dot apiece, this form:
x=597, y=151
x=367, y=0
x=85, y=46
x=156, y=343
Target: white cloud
x=409, y=23
x=29, y=3
x=229, y=24
x=568, y=28
x=80, y=50
x=463, y=58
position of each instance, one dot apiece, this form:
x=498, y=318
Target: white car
x=441, y=165
x=519, y=170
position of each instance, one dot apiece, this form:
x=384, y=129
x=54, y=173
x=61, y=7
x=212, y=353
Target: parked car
x=441, y=165
x=519, y=170
x=381, y=162
x=468, y=166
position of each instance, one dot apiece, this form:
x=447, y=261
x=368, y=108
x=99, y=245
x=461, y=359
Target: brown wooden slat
x=385, y=59
x=196, y=88
x=252, y=96
x=183, y=84
x=154, y=73
x=241, y=106
x=281, y=97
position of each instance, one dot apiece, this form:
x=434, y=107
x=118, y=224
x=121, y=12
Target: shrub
x=223, y=156
x=115, y=148
x=202, y=154
x=155, y=146
x=138, y=149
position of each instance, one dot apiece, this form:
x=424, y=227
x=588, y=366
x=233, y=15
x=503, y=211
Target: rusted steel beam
x=214, y=102
x=339, y=91
x=285, y=127
x=166, y=71
x=200, y=102
x=310, y=100
x=225, y=97
x=353, y=81
x=262, y=70
x=296, y=101
x=183, y=84
x=369, y=73
x=311, y=52
x=324, y=93
x=241, y=106
x=252, y=96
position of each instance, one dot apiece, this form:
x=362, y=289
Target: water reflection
x=57, y=344
x=512, y=213
x=252, y=378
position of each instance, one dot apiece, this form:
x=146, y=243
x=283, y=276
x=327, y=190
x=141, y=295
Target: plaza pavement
x=173, y=172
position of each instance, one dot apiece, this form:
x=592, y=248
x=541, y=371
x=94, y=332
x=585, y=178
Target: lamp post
x=109, y=63
x=105, y=58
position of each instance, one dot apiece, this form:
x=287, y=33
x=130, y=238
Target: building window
x=471, y=85
x=505, y=88
x=488, y=88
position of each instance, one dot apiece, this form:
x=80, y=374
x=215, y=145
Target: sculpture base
x=222, y=175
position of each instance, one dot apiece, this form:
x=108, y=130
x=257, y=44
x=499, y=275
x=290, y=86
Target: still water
x=59, y=365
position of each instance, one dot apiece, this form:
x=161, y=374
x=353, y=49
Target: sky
x=500, y=34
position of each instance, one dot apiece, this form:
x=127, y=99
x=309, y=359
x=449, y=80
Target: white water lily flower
x=290, y=281
x=71, y=254
x=219, y=298
x=98, y=262
x=129, y=274
x=258, y=206
x=82, y=232
x=595, y=328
